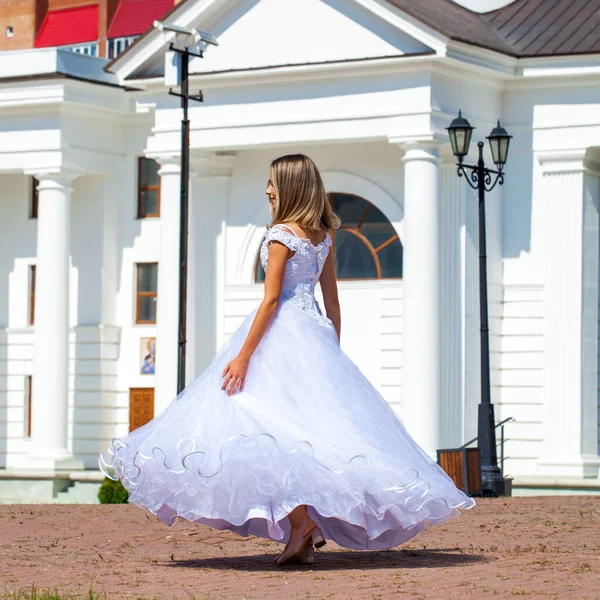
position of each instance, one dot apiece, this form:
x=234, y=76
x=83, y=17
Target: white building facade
x=89, y=222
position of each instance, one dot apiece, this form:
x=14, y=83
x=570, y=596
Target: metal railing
x=500, y=444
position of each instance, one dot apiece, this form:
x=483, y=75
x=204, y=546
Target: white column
x=167, y=308
x=421, y=317
x=210, y=187
x=453, y=205
x=49, y=424
x=570, y=446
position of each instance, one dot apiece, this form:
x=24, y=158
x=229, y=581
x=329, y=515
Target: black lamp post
x=482, y=179
x=183, y=207
x=200, y=40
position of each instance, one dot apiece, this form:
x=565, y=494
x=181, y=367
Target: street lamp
x=185, y=39
x=481, y=179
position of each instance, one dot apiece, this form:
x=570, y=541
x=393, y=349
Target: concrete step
x=27, y=487
x=537, y=485
x=81, y=492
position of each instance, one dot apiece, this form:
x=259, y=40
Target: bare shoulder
x=313, y=236
x=294, y=227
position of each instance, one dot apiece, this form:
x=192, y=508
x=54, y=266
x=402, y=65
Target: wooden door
x=141, y=407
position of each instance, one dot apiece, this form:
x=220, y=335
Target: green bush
x=112, y=492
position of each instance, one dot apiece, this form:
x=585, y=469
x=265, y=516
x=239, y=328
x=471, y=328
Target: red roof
x=69, y=26
x=134, y=17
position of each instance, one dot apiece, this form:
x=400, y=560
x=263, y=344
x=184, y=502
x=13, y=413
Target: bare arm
x=330, y=293
x=235, y=371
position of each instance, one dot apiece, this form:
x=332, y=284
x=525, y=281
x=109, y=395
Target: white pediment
x=295, y=32
x=255, y=34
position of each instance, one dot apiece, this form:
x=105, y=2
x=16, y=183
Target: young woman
x=282, y=436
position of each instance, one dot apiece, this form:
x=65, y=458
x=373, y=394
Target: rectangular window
x=31, y=294
x=145, y=302
x=148, y=188
x=117, y=45
x=90, y=49
x=28, y=391
x=33, y=199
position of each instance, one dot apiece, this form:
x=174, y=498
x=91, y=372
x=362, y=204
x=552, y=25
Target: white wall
x=94, y=346
x=107, y=241
x=273, y=114
x=521, y=376
x=138, y=241
x=541, y=120
x=555, y=120
x=18, y=235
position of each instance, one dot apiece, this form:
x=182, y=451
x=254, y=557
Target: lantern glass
x=460, y=132
x=499, y=141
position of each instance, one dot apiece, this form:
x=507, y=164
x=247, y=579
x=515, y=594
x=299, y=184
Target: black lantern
x=460, y=131
x=499, y=141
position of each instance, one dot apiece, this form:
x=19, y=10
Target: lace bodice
x=302, y=270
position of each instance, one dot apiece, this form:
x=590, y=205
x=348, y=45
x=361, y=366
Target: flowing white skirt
x=308, y=429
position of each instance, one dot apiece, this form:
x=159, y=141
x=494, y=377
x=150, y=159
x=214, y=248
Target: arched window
x=366, y=245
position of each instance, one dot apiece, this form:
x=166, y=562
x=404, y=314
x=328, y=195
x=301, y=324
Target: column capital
x=562, y=161
x=580, y=160
x=169, y=165
x=417, y=147
x=421, y=151
x=48, y=180
x=212, y=165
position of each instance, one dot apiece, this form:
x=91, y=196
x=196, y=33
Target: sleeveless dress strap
x=281, y=234
x=288, y=229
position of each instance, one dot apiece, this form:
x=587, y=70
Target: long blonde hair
x=300, y=195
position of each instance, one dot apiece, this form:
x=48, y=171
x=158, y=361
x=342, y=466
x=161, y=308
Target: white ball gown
x=308, y=429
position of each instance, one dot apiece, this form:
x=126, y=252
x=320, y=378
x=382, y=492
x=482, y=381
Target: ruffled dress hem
x=276, y=528
x=382, y=517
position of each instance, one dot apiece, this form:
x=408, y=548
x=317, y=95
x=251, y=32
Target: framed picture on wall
x=147, y=354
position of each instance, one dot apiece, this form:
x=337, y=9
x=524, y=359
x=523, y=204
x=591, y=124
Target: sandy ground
x=504, y=548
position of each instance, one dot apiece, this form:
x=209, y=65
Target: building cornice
x=559, y=66
x=461, y=63
x=43, y=62
x=305, y=72
x=478, y=58
x=24, y=96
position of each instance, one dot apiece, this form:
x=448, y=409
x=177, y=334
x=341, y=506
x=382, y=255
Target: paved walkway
x=503, y=548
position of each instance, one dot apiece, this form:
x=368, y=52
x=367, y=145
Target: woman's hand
x=235, y=375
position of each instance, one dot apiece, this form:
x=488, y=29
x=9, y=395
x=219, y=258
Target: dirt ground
x=546, y=547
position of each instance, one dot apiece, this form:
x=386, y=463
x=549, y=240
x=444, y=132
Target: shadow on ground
x=345, y=560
